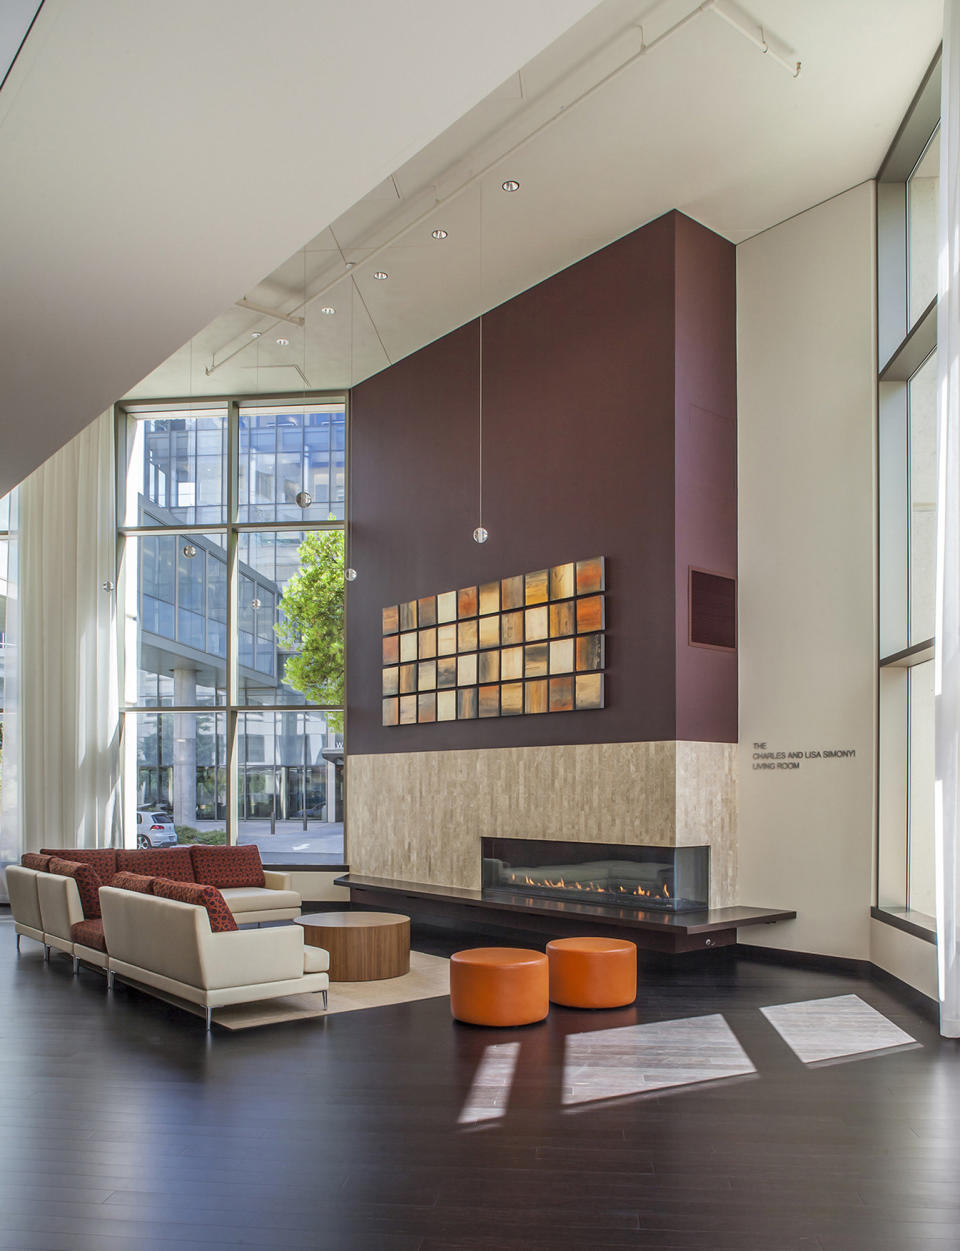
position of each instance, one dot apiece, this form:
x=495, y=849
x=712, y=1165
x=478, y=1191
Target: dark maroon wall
x=579, y=450
x=706, y=468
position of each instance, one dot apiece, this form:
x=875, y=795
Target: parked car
x=154, y=829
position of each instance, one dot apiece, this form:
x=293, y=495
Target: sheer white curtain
x=61, y=750
x=948, y=533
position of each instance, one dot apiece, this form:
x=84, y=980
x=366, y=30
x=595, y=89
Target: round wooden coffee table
x=363, y=946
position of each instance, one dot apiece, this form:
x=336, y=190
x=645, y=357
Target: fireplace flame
x=662, y=892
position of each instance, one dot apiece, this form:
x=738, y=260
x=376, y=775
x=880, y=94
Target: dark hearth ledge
x=660, y=931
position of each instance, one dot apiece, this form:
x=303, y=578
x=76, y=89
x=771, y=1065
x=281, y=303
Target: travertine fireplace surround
x=419, y=816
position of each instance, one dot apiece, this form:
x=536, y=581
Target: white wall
x=807, y=422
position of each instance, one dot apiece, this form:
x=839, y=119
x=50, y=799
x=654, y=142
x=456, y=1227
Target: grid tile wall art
x=533, y=643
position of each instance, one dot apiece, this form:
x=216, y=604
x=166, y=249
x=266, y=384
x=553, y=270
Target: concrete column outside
x=184, y=749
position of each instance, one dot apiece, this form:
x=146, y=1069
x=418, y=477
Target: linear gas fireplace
x=672, y=879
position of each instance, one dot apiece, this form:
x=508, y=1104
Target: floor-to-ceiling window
x=4, y=577
x=232, y=580
x=907, y=193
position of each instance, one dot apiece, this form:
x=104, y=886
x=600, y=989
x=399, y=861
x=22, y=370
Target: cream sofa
x=168, y=945
x=46, y=907
x=25, y=904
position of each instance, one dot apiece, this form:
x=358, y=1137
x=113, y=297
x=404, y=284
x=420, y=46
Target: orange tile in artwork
x=537, y=587
x=590, y=576
x=391, y=619
x=467, y=602
x=427, y=646
x=489, y=597
x=589, y=614
x=489, y=666
x=535, y=697
x=562, y=619
x=391, y=649
x=561, y=694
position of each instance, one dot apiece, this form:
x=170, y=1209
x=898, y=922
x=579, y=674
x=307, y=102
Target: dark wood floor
x=123, y=1126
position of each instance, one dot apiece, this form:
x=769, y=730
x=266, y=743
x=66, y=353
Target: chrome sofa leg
x=111, y=976
x=76, y=965
x=19, y=936
x=46, y=954
x=209, y=1019
x=324, y=993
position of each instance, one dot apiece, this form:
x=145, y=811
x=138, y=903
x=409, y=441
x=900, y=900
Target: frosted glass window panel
x=923, y=189
x=892, y=844
x=922, y=896
x=4, y=554
x=923, y=500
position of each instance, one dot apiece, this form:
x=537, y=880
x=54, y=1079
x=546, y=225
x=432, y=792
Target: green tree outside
x=311, y=622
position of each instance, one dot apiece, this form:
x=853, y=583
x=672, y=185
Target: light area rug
x=429, y=978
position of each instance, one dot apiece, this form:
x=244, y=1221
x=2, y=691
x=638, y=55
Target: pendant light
x=480, y=535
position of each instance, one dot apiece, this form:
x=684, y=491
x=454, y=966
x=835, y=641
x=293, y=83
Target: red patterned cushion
x=221, y=918
x=35, y=860
x=88, y=884
x=133, y=881
x=227, y=866
x=89, y=934
x=173, y=863
x=103, y=860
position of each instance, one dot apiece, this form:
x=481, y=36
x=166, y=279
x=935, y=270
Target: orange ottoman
x=592, y=972
x=499, y=986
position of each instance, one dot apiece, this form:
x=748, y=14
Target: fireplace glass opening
x=670, y=879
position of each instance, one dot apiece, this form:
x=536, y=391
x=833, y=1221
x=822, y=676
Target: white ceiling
x=158, y=159
x=703, y=122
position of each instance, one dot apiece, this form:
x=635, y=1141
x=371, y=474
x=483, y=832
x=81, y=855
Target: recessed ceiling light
x=380, y=275
x=510, y=185
x=283, y=343
x=256, y=334
x=328, y=309
x=439, y=233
